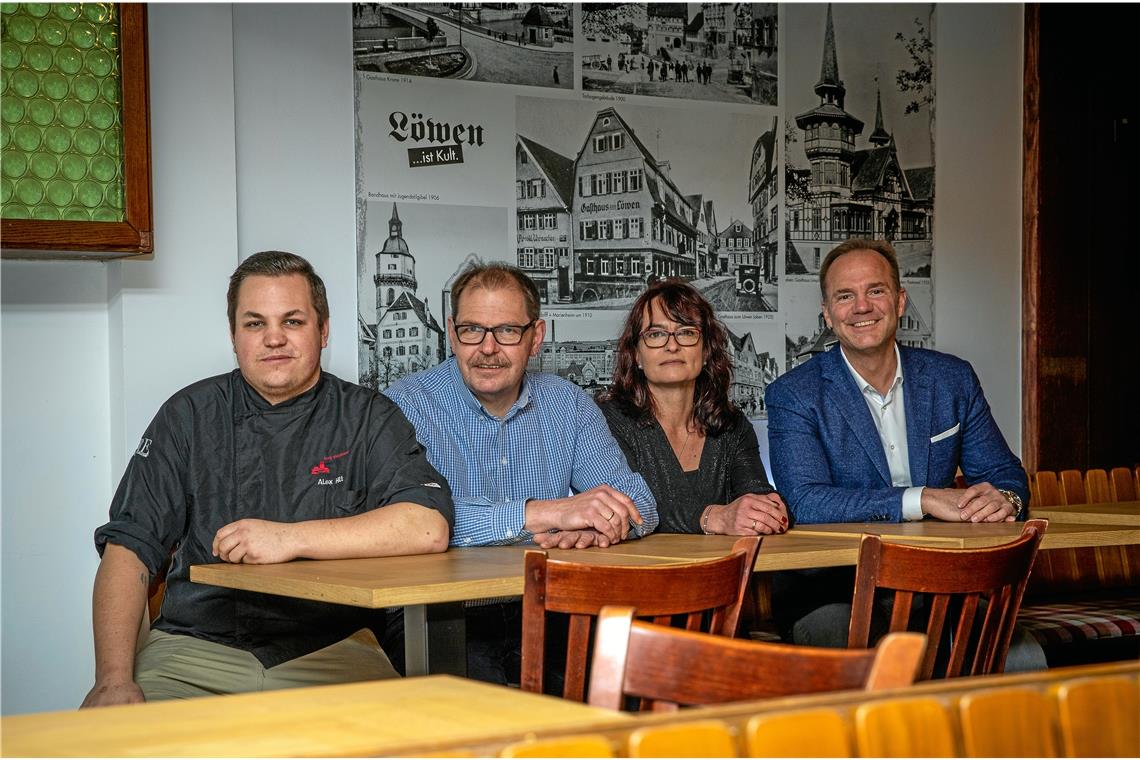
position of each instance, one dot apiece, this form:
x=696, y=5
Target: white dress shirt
x=889, y=413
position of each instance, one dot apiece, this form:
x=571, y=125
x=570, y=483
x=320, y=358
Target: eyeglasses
x=505, y=335
x=655, y=337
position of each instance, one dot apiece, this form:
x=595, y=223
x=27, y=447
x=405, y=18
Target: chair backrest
x=698, y=590
x=1096, y=487
x=583, y=745
x=706, y=738
x=1006, y=722
x=1073, y=487
x=908, y=727
x=1098, y=717
x=962, y=576
x=669, y=667
x=1048, y=490
x=821, y=732
x=1121, y=485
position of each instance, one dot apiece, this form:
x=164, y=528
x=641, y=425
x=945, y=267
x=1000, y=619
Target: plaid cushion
x=1067, y=621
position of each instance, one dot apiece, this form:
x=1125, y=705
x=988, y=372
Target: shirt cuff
x=512, y=519
x=912, y=504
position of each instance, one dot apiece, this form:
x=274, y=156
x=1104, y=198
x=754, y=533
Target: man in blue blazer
x=873, y=431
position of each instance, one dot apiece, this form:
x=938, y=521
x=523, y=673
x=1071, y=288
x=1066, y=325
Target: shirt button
x=892, y=447
x=510, y=534
x=504, y=460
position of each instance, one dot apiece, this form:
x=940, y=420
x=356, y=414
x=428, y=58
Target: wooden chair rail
x=1081, y=711
x=671, y=667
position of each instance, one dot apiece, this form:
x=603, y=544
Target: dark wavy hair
x=713, y=410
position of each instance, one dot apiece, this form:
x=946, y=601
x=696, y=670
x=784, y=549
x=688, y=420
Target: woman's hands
x=749, y=515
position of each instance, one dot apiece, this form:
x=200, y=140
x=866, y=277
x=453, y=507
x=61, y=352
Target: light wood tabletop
x=456, y=575
x=1115, y=513
x=1060, y=535
x=369, y=718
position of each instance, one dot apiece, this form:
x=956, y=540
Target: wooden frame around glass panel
x=134, y=236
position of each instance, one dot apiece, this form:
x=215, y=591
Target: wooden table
x=430, y=587
x=1117, y=513
x=423, y=585
x=1060, y=535
x=369, y=718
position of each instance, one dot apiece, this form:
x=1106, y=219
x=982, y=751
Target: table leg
x=435, y=639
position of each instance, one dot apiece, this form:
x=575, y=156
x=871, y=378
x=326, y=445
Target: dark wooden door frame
x=1030, y=242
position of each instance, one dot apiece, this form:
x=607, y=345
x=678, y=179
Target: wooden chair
x=716, y=587
x=965, y=576
x=667, y=667
x=1073, y=487
x=1099, y=717
x=821, y=732
x=914, y=727
x=1006, y=723
x=1048, y=489
x=707, y=738
x=582, y=745
x=1121, y=485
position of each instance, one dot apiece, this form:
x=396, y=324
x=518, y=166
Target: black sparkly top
x=730, y=467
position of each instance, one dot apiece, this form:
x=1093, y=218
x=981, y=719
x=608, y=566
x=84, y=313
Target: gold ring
x=753, y=525
x=610, y=516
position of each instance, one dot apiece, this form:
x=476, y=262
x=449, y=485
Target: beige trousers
x=182, y=667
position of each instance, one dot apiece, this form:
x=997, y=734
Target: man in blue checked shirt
x=529, y=456
x=514, y=444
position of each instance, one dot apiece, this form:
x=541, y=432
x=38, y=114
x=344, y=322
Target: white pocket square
x=946, y=434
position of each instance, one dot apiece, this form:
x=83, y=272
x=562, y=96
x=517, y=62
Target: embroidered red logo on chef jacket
x=322, y=467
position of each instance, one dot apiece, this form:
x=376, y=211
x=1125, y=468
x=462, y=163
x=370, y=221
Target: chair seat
x=1072, y=620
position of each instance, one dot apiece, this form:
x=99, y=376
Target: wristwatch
x=1015, y=502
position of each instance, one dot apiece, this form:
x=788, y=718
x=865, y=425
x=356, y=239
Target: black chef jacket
x=217, y=452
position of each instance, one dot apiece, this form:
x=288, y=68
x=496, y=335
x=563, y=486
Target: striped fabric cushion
x=1067, y=621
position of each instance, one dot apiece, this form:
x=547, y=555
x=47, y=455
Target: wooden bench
x=1083, y=605
x=1069, y=712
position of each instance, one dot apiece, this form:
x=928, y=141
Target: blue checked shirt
x=552, y=442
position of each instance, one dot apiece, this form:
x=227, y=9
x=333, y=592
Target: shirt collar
x=472, y=403
x=865, y=386
x=257, y=402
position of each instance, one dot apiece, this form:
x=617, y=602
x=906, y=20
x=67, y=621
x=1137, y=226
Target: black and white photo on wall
x=612, y=198
x=697, y=51
x=859, y=135
x=508, y=43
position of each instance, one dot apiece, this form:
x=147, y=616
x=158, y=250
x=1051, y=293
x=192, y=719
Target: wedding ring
x=753, y=525
x=609, y=516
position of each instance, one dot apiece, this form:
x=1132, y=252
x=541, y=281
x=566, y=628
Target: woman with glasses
x=669, y=409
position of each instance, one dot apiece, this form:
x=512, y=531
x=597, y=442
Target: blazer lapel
x=854, y=408
x=918, y=390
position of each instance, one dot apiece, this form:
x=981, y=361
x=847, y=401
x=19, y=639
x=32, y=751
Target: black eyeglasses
x=505, y=335
x=655, y=337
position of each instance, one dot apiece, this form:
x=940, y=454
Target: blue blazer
x=827, y=457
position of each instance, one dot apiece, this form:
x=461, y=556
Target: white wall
x=91, y=350
x=977, y=209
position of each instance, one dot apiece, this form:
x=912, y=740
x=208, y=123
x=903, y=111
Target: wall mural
x=601, y=147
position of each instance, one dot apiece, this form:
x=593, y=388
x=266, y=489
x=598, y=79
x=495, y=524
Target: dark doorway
x=1080, y=274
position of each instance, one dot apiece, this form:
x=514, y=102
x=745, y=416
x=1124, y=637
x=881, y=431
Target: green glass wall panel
x=61, y=112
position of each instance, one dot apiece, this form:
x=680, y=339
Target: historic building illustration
x=764, y=196
x=854, y=192
x=544, y=183
x=405, y=337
